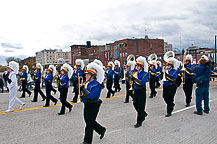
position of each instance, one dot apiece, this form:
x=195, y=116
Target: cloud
x=8, y=51
x=12, y=45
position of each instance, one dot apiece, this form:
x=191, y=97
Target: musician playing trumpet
x=152, y=80
x=129, y=82
x=188, y=79
x=169, y=84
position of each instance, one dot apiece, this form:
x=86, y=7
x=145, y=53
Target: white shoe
x=21, y=106
x=9, y=110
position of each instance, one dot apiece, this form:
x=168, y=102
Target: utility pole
x=215, y=50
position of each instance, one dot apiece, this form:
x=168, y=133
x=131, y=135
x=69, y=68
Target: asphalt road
x=35, y=124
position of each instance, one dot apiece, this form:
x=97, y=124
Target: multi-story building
x=53, y=56
x=167, y=47
x=118, y=50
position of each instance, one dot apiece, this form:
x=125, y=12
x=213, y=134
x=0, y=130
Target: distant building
x=53, y=56
x=118, y=50
x=30, y=61
x=167, y=47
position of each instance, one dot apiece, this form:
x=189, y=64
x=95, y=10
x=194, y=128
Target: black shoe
x=55, y=102
x=60, y=113
x=187, y=105
x=86, y=143
x=103, y=133
x=168, y=115
x=137, y=125
x=207, y=112
x=46, y=106
x=113, y=93
x=150, y=96
x=70, y=109
x=22, y=97
x=33, y=101
x=198, y=113
x=126, y=102
x=107, y=97
x=155, y=94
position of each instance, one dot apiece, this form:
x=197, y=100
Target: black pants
x=49, y=96
x=157, y=82
x=75, y=99
x=90, y=113
x=53, y=89
x=152, y=86
x=139, y=101
x=38, y=90
x=168, y=95
x=179, y=81
x=128, y=92
x=2, y=88
x=63, y=97
x=24, y=83
x=116, y=83
x=109, y=83
x=187, y=87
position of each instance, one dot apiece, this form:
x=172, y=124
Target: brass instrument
x=168, y=55
x=80, y=83
x=131, y=57
x=131, y=81
x=152, y=57
x=183, y=68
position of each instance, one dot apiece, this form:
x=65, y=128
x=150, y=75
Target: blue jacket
x=78, y=72
x=48, y=79
x=94, y=87
x=199, y=70
x=159, y=71
x=37, y=76
x=174, y=74
x=143, y=76
x=110, y=74
x=117, y=72
x=190, y=69
x=24, y=76
x=152, y=72
x=64, y=81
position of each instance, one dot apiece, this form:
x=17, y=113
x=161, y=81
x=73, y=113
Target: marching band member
x=169, y=84
x=202, y=78
x=23, y=77
x=188, y=79
x=78, y=74
x=66, y=73
x=129, y=82
x=139, y=100
x=109, y=78
x=91, y=94
x=117, y=72
x=159, y=74
x=37, y=80
x=12, y=70
x=152, y=78
x=179, y=72
x=48, y=84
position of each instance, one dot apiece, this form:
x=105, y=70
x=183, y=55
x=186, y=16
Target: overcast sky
x=27, y=26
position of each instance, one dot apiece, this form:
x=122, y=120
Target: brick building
x=118, y=50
